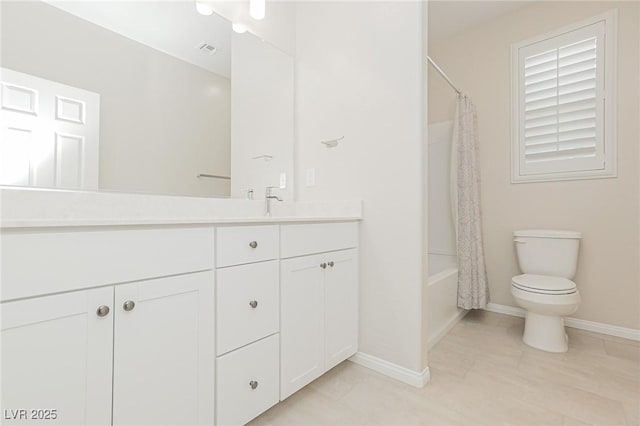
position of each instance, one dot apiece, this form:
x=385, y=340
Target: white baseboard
x=447, y=328
x=392, y=370
x=596, y=327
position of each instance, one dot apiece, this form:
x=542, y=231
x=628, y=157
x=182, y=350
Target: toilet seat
x=543, y=284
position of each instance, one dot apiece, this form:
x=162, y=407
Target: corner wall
x=606, y=211
x=359, y=74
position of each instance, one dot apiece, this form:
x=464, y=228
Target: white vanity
x=179, y=323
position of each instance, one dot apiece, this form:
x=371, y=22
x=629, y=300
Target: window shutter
x=561, y=103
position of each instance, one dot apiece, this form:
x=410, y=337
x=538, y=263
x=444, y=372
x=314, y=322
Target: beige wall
x=162, y=120
x=604, y=210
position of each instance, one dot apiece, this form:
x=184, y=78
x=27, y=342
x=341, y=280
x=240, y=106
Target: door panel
x=57, y=354
x=341, y=306
x=301, y=323
x=164, y=352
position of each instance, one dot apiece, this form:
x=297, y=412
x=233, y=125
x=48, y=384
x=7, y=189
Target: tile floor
x=482, y=374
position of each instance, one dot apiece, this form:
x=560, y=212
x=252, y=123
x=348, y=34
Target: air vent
x=206, y=48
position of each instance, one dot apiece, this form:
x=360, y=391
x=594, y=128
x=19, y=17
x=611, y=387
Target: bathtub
x=442, y=297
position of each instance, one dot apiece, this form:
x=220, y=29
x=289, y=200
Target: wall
x=162, y=120
x=359, y=75
x=262, y=113
x=604, y=210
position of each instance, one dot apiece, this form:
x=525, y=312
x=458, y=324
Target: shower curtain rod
x=443, y=75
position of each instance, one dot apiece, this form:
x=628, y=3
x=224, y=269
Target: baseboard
x=596, y=327
x=443, y=332
x=392, y=370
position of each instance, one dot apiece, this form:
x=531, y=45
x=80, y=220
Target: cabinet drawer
x=237, y=402
x=42, y=261
x=300, y=240
x=246, y=244
x=247, y=306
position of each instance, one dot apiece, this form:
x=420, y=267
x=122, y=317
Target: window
x=563, y=103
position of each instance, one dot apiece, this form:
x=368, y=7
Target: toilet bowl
x=548, y=260
x=546, y=300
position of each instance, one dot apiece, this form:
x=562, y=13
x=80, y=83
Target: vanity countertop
x=37, y=208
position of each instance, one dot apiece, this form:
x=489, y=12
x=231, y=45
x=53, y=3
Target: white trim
x=392, y=370
x=610, y=19
x=596, y=327
x=444, y=330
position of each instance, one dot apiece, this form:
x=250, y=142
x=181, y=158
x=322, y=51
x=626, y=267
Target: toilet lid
x=544, y=284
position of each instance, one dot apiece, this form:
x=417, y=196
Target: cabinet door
x=301, y=322
x=164, y=351
x=341, y=306
x=57, y=355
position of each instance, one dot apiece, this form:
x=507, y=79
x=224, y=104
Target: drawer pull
x=129, y=305
x=102, y=311
x=253, y=384
x=331, y=263
x=323, y=265
x=253, y=304
x=253, y=244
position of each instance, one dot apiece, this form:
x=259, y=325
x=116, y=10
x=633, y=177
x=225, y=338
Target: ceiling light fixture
x=239, y=28
x=204, y=8
x=257, y=9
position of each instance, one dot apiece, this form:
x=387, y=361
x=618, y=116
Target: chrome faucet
x=267, y=200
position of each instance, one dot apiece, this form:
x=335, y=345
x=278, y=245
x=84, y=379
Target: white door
x=341, y=306
x=50, y=133
x=164, y=356
x=57, y=355
x=301, y=322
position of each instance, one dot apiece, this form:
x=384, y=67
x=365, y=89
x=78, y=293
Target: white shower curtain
x=473, y=290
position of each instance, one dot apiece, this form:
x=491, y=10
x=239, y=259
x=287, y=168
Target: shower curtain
x=473, y=290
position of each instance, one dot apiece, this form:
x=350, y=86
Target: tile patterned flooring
x=482, y=374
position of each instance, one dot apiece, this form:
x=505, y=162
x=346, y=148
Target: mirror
x=146, y=96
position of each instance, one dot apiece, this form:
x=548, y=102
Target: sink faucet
x=267, y=200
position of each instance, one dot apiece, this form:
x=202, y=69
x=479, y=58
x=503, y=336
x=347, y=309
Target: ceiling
x=173, y=27
x=450, y=17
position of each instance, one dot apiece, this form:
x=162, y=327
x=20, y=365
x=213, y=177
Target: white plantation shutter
x=560, y=104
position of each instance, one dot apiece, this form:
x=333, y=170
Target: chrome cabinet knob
x=129, y=305
x=102, y=311
x=253, y=304
x=253, y=384
x=323, y=265
x=253, y=244
x=331, y=263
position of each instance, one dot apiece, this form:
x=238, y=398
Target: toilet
x=548, y=261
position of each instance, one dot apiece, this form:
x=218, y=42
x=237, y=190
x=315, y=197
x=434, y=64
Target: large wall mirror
x=146, y=96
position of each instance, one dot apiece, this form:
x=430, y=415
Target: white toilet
x=548, y=260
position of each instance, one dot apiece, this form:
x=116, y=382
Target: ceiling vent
x=206, y=48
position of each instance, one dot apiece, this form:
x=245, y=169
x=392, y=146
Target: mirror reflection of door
x=50, y=133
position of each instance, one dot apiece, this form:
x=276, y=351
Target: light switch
x=283, y=180
x=311, y=177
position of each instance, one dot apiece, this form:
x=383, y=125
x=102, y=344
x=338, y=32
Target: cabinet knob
x=253, y=384
x=129, y=305
x=102, y=311
x=253, y=304
x=323, y=265
x=253, y=244
x=331, y=263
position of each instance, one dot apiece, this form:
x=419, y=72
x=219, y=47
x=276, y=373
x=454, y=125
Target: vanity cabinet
x=319, y=297
x=247, y=322
x=57, y=355
x=164, y=351
x=140, y=352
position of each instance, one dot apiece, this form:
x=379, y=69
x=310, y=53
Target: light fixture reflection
x=239, y=28
x=204, y=8
x=257, y=9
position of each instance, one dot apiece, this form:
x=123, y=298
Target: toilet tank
x=547, y=252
